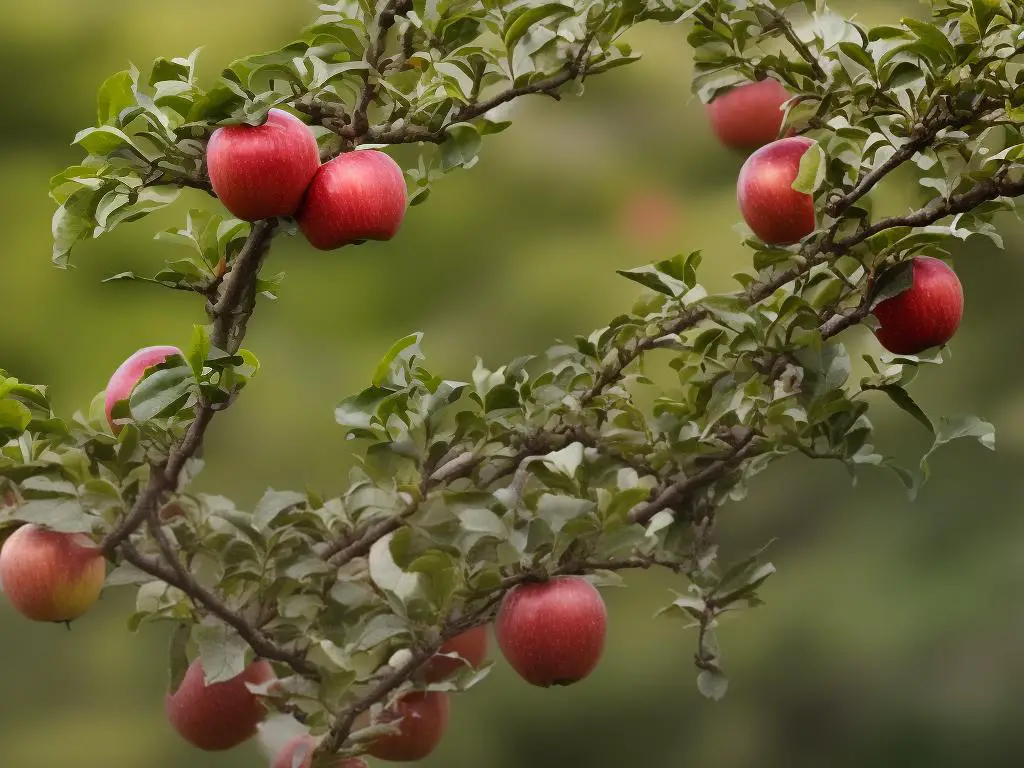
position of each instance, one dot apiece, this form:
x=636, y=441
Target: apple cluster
x=551, y=633
x=274, y=170
x=751, y=118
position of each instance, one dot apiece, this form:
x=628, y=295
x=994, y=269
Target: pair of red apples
x=273, y=170
x=750, y=117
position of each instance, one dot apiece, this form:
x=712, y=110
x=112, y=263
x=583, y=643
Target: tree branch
x=232, y=310
x=171, y=571
x=385, y=21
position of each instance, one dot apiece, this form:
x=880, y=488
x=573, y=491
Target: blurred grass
x=892, y=631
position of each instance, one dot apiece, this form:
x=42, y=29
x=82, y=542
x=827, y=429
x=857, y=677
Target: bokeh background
x=893, y=630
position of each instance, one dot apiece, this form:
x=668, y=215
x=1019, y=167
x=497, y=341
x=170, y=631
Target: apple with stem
x=355, y=197
x=260, y=172
x=219, y=716
x=471, y=646
x=552, y=632
x=51, y=576
x=424, y=719
x=777, y=213
x=748, y=116
x=927, y=314
x=129, y=374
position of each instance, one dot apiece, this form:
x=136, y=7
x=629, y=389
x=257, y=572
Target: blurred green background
x=892, y=632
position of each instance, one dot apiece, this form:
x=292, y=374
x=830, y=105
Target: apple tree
x=510, y=496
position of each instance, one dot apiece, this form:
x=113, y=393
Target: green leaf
x=273, y=504
x=904, y=401
x=161, y=393
x=199, y=349
x=14, y=419
x=103, y=140
x=177, y=653
x=461, y=148
x=401, y=352
x=221, y=651
x=949, y=429
x=712, y=683
x=813, y=166
x=519, y=21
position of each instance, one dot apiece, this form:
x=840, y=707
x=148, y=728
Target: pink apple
x=776, y=212
x=424, y=719
x=298, y=753
x=355, y=197
x=220, y=716
x=51, y=576
x=552, y=633
x=471, y=646
x=748, y=116
x=129, y=373
x=927, y=314
x=260, y=172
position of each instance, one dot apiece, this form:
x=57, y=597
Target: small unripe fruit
x=748, y=116
x=927, y=314
x=221, y=716
x=776, y=212
x=51, y=576
x=128, y=374
x=298, y=753
x=552, y=633
x=424, y=718
x=260, y=172
x=355, y=197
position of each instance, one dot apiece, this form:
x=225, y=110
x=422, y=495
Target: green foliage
x=547, y=465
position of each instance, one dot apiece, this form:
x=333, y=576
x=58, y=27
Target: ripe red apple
x=128, y=374
x=260, y=172
x=927, y=314
x=51, y=576
x=220, y=716
x=777, y=213
x=298, y=753
x=748, y=116
x=552, y=633
x=355, y=197
x=424, y=720
x=470, y=645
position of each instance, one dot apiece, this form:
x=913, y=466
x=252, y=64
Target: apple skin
x=552, y=633
x=925, y=315
x=470, y=645
x=301, y=749
x=424, y=721
x=776, y=212
x=221, y=716
x=51, y=576
x=128, y=374
x=355, y=197
x=748, y=116
x=260, y=172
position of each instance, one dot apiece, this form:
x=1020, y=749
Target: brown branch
x=781, y=22
x=230, y=313
x=171, y=571
x=163, y=479
x=385, y=21
x=410, y=134
x=672, y=494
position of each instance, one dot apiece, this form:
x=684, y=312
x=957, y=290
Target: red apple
x=298, y=753
x=470, y=645
x=260, y=172
x=355, y=197
x=776, y=212
x=926, y=314
x=424, y=718
x=220, y=716
x=552, y=633
x=51, y=576
x=129, y=373
x=748, y=116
